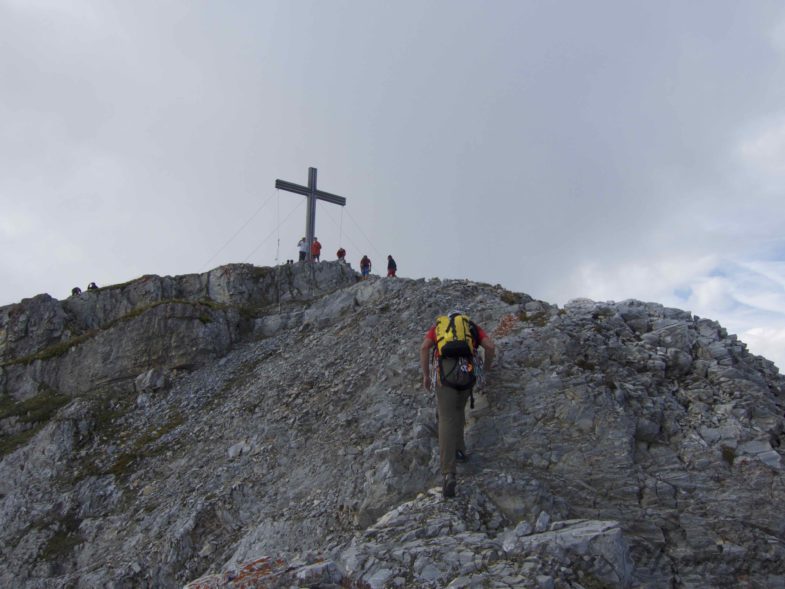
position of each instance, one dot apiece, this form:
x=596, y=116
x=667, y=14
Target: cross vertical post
x=312, y=195
x=310, y=216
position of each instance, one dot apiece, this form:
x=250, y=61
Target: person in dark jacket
x=392, y=267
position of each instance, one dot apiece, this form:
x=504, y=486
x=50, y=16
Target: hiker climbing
x=451, y=370
x=341, y=255
x=365, y=267
x=302, y=248
x=316, y=249
x=392, y=267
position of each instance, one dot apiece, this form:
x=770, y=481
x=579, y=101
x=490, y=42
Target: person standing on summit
x=454, y=339
x=365, y=266
x=316, y=249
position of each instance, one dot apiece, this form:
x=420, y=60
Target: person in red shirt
x=451, y=402
x=365, y=266
x=316, y=249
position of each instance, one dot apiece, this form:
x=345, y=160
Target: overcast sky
x=601, y=149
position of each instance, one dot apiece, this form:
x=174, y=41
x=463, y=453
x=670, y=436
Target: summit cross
x=313, y=195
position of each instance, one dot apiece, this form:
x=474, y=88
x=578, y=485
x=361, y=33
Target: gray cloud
x=568, y=144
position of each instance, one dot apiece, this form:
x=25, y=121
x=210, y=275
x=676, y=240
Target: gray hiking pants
x=452, y=417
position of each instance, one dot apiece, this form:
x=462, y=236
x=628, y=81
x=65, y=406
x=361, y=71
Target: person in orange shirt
x=316, y=249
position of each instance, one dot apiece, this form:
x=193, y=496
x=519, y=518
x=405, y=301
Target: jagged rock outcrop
x=106, y=338
x=614, y=444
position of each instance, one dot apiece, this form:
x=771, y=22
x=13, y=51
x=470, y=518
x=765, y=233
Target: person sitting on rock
x=75, y=291
x=451, y=401
x=92, y=286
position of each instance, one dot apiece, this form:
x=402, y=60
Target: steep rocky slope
x=266, y=427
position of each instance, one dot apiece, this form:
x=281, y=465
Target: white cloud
x=777, y=36
x=768, y=342
x=713, y=295
x=74, y=10
x=16, y=225
x=138, y=137
x=763, y=152
x=651, y=279
x=773, y=271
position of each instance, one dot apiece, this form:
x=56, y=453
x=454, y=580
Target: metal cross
x=313, y=195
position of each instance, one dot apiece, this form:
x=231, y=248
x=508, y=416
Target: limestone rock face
x=266, y=427
x=106, y=338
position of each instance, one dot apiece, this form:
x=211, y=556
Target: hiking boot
x=460, y=456
x=448, y=488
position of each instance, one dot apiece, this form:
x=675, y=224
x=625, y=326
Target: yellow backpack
x=454, y=336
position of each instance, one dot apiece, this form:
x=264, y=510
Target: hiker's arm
x=490, y=350
x=425, y=362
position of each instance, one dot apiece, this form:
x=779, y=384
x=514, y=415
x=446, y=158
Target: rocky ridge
x=266, y=427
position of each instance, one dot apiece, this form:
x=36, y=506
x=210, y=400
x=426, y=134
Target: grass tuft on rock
x=728, y=455
x=34, y=412
x=511, y=298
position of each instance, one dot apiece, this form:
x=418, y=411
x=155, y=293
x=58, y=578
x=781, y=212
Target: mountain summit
x=266, y=427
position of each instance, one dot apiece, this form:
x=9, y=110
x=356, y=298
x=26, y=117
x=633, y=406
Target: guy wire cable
x=244, y=225
x=363, y=232
x=340, y=230
x=354, y=243
x=269, y=235
x=278, y=225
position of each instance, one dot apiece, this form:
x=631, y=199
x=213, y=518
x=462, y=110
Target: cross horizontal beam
x=305, y=191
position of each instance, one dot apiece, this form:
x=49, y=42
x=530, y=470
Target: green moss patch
x=511, y=298
x=53, y=351
x=63, y=541
x=539, y=319
x=10, y=443
x=60, y=348
x=142, y=447
x=35, y=412
x=728, y=455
